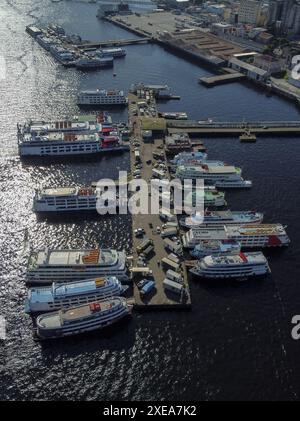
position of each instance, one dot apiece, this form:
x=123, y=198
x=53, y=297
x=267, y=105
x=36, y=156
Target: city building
x=269, y=64
x=249, y=11
x=290, y=17
x=252, y=72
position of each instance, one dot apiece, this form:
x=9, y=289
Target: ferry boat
x=77, y=124
x=72, y=199
x=62, y=296
x=220, y=218
x=215, y=247
x=239, y=266
x=94, y=63
x=102, y=97
x=48, y=266
x=250, y=236
x=174, y=116
x=57, y=144
x=221, y=176
x=211, y=198
x=112, y=52
x=82, y=319
x=187, y=157
x=234, y=184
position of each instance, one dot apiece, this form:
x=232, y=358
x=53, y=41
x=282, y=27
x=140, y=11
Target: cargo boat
x=62, y=296
x=85, y=318
x=237, y=266
x=48, y=266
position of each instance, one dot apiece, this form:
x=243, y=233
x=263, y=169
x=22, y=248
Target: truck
x=170, y=264
x=148, y=250
x=157, y=173
x=172, y=246
x=169, y=232
x=144, y=244
x=173, y=286
x=174, y=276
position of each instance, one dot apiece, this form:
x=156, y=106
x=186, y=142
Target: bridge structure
x=207, y=128
x=90, y=45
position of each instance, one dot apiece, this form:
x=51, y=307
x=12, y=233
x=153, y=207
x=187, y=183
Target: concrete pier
x=159, y=299
x=221, y=79
x=207, y=129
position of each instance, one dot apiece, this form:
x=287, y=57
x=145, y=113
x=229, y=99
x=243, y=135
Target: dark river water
x=236, y=342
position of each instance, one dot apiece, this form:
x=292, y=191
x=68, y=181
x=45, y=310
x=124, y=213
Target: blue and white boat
x=63, y=296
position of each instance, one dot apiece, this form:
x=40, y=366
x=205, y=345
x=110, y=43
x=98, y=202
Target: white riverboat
x=215, y=173
x=82, y=319
x=74, y=200
x=62, y=296
x=221, y=218
x=59, y=144
x=249, y=236
x=102, y=97
x=215, y=247
x=48, y=266
x=239, y=266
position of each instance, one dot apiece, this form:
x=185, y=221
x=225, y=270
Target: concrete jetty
x=221, y=79
x=151, y=224
x=210, y=129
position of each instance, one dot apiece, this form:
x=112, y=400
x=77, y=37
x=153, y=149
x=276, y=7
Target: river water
x=236, y=342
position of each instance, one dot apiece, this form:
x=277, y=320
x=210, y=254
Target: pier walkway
x=220, y=79
x=266, y=128
x=159, y=299
x=112, y=43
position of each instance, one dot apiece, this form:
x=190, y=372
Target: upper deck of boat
x=73, y=258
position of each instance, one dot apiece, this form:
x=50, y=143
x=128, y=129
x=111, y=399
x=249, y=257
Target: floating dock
x=221, y=79
x=159, y=299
